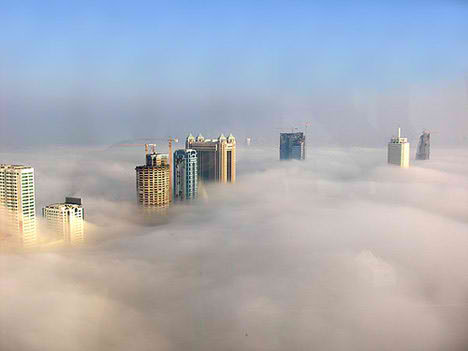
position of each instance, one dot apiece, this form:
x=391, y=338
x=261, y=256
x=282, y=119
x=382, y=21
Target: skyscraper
x=424, y=146
x=152, y=180
x=17, y=205
x=66, y=220
x=398, y=151
x=216, y=158
x=292, y=146
x=185, y=175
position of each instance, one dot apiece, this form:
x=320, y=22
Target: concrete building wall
x=153, y=186
x=153, y=180
x=67, y=221
x=17, y=205
x=398, y=151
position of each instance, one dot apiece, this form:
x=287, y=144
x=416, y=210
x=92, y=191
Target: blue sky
x=188, y=52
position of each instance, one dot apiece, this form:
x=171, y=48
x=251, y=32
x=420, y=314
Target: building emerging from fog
x=398, y=151
x=66, y=220
x=153, y=180
x=216, y=158
x=424, y=146
x=17, y=205
x=292, y=146
x=185, y=175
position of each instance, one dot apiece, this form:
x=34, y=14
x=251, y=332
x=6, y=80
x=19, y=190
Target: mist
x=95, y=74
x=338, y=252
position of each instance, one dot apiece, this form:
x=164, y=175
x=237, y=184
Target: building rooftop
x=63, y=205
x=200, y=139
x=16, y=167
x=398, y=139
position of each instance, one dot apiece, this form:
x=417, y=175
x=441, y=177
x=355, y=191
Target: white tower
x=66, y=220
x=398, y=151
x=17, y=205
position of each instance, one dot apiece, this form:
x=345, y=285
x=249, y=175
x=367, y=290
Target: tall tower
x=66, y=220
x=398, y=151
x=292, y=146
x=424, y=146
x=153, y=180
x=185, y=175
x=216, y=158
x=17, y=206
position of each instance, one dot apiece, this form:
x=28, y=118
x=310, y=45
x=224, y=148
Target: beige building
x=153, y=180
x=398, y=151
x=17, y=206
x=66, y=220
x=216, y=158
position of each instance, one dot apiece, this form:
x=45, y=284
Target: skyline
x=234, y=175
x=339, y=251
x=92, y=74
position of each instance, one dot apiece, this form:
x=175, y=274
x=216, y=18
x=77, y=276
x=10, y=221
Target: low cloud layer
x=340, y=252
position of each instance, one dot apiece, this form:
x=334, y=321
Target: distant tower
x=424, y=146
x=248, y=141
x=153, y=180
x=292, y=146
x=216, y=158
x=17, y=206
x=398, y=151
x=185, y=175
x=67, y=220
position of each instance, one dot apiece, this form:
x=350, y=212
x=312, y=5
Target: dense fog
x=338, y=252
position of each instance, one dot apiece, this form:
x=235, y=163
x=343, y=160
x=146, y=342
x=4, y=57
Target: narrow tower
x=424, y=146
x=17, y=206
x=185, y=175
x=398, y=151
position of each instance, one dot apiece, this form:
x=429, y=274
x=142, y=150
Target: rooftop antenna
x=399, y=132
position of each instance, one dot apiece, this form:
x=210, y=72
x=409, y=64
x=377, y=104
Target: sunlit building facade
x=185, y=175
x=153, y=181
x=17, y=206
x=66, y=220
x=398, y=151
x=216, y=158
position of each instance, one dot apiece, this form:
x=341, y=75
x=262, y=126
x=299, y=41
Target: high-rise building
x=17, y=205
x=398, y=151
x=292, y=146
x=153, y=180
x=66, y=220
x=185, y=175
x=424, y=146
x=216, y=158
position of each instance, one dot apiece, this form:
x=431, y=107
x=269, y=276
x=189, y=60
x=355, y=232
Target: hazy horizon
x=337, y=252
x=98, y=73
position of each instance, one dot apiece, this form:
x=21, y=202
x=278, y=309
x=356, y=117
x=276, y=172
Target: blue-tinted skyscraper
x=292, y=146
x=424, y=147
x=185, y=175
